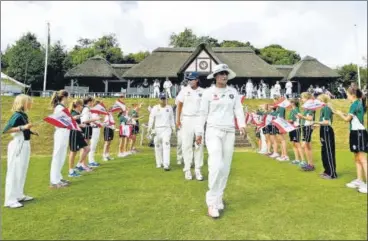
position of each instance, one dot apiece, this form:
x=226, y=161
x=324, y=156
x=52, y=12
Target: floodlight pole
x=46, y=58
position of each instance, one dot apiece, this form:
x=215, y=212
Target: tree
x=349, y=73
x=58, y=65
x=134, y=58
x=208, y=40
x=106, y=46
x=184, y=39
x=276, y=54
x=25, y=60
x=4, y=63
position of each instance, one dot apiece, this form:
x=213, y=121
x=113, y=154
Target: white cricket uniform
x=163, y=120
x=289, y=87
x=61, y=141
x=156, y=89
x=179, y=149
x=167, y=87
x=219, y=107
x=249, y=90
x=191, y=100
x=277, y=89
x=96, y=130
x=18, y=155
x=264, y=90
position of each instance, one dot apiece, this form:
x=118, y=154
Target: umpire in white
x=220, y=105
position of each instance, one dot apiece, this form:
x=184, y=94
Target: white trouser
x=162, y=146
x=156, y=92
x=249, y=94
x=61, y=141
x=263, y=142
x=187, y=138
x=19, y=152
x=94, y=141
x=179, y=149
x=288, y=93
x=220, y=146
x=168, y=92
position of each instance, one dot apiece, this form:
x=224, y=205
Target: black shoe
x=167, y=169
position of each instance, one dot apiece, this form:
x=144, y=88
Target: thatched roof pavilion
x=174, y=62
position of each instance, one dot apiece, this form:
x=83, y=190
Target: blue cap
x=192, y=76
x=162, y=96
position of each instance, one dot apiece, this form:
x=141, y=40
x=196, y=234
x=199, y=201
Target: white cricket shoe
x=188, y=175
x=363, y=188
x=213, y=212
x=355, y=183
x=15, y=205
x=198, y=175
x=274, y=155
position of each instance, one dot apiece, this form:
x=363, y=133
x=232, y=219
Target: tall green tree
x=276, y=54
x=183, y=39
x=349, y=73
x=58, y=65
x=25, y=60
x=106, y=46
x=135, y=58
x=208, y=40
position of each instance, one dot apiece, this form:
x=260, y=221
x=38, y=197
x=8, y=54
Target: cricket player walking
x=162, y=118
x=189, y=101
x=219, y=107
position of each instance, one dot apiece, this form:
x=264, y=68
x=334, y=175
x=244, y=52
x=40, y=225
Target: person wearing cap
x=162, y=118
x=189, y=100
x=219, y=107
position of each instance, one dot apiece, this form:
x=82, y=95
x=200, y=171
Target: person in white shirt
x=249, y=89
x=264, y=87
x=162, y=119
x=156, y=88
x=277, y=89
x=289, y=89
x=179, y=149
x=96, y=130
x=272, y=92
x=189, y=101
x=218, y=109
x=243, y=89
x=167, y=87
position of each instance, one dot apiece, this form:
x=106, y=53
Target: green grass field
x=130, y=199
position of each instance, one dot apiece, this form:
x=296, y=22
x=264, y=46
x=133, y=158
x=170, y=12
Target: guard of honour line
x=201, y=117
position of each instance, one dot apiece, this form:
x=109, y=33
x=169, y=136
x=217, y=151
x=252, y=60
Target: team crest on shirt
x=188, y=93
x=167, y=110
x=200, y=94
x=231, y=96
x=215, y=97
x=167, y=143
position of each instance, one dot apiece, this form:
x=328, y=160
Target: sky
x=324, y=30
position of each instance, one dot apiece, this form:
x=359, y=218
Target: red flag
x=283, y=125
x=99, y=109
x=313, y=104
x=62, y=119
x=118, y=106
x=283, y=102
x=126, y=130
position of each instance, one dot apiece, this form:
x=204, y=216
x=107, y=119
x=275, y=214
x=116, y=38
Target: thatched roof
x=310, y=67
x=120, y=69
x=284, y=70
x=95, y=67
x=168, y=62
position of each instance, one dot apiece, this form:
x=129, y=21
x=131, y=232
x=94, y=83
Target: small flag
x=126, y=130
x=118, y=106
x=62, y=119
x=99, y=109
x=283, y=125
x=313, y=104
x=283, y=102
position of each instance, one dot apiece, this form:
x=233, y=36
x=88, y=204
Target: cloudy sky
x=324, y=30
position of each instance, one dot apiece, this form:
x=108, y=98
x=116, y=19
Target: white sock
x=71, y=171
